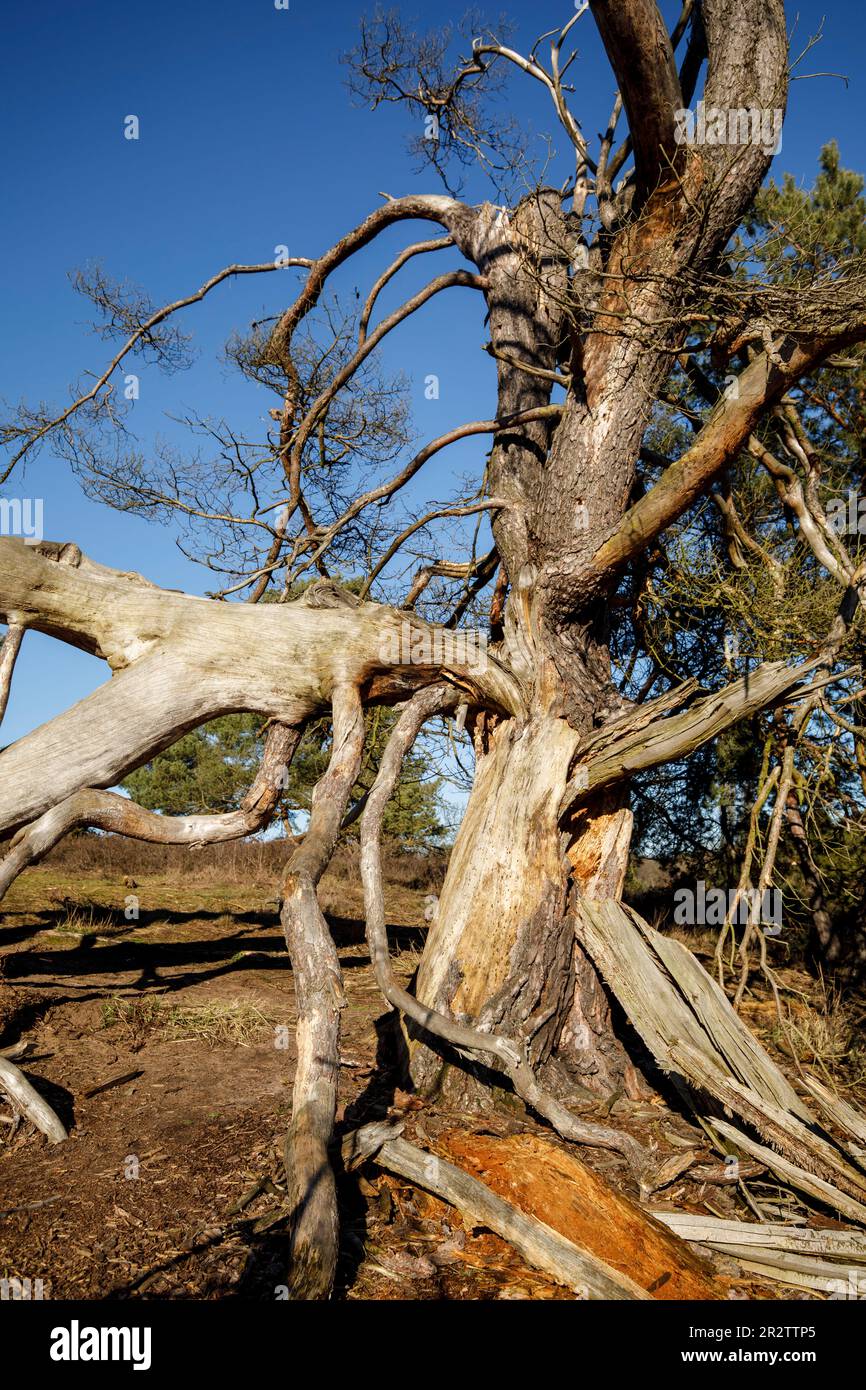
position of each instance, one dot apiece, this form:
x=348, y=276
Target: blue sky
x=248, y=140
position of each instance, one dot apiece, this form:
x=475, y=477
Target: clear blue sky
x=248, y=140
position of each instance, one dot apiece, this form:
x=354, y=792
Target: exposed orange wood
x=553, y=1185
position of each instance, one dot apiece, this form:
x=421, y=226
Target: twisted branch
x=319, y=995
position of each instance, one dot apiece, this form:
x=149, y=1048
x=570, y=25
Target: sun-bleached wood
x=28, y=1100
x=179, y=661
x=320, y=998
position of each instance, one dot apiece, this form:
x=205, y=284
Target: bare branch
x=622, y=750
x=8, y=656
x=294, y=454
x=138, y=336
x=419, y=248
x=385, y=490
x=430, y=207
x=490, y=504
x=160, y=642
x=118, y=815
x=28, y=1100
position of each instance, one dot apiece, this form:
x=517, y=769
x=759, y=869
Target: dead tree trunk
x=502, y=950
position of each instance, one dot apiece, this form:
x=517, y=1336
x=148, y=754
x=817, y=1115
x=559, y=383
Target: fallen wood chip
x=680, y=1142
x=32, y=1206
x=719, y=1174
x=28, y=1100
x=409, y=1266
x=665, y=1173
x=794, y=1263
x=110, y=1085
x=820, y=1282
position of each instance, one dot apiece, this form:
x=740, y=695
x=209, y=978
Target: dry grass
x=137, y=1018
x=86, y=921
x=250, y=863
x=237, y=1023
x=823, y=1028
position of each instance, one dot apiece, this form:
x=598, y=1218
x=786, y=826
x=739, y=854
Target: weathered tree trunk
x=588, y=1042
x=502, y=951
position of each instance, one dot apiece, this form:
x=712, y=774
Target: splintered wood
x=566, y=1219
x=670, y=999
x=831, y=1262
x=695, y=1036
x=539, y=1243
